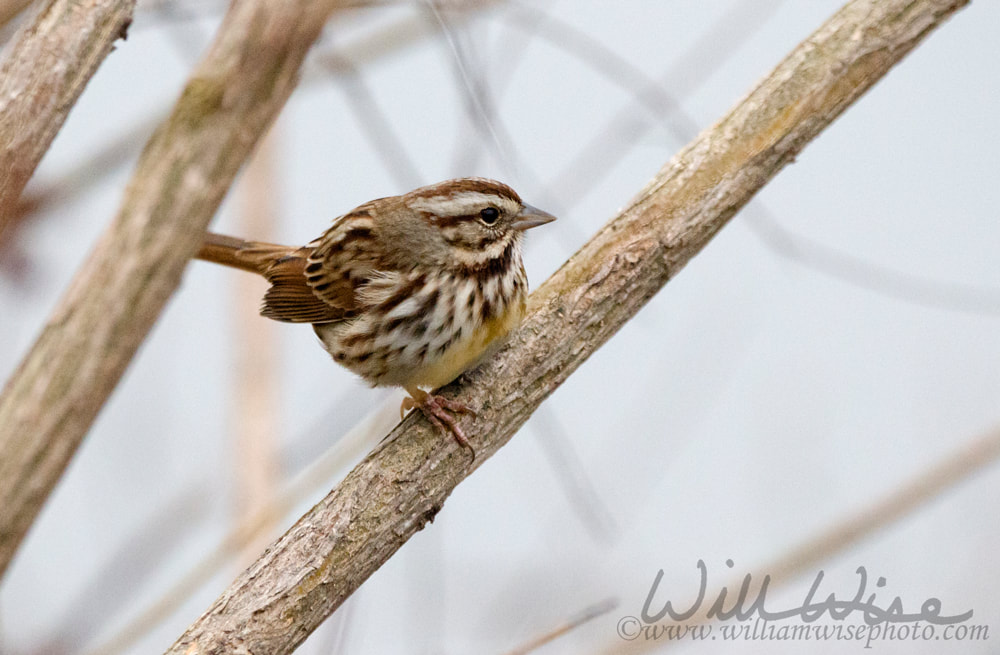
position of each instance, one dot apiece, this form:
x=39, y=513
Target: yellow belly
x=465, y=354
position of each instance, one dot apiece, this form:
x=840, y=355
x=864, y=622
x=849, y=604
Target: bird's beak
x=531, y=217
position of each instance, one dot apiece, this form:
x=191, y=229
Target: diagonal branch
x=42, y=76
x=187, y=166
x=307, y=573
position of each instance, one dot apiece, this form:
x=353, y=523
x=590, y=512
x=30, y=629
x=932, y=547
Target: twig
x=978, y=299
x=623, y=131
x=478, y=101
x=234, y=93
x=307, y=573
x=373, y=121
x=573, y=622
x=399, y=36
x=569, y=471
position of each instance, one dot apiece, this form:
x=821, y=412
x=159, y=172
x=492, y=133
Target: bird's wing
x=290, y=298
x=345, y=260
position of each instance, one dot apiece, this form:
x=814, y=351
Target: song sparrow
x=406, y=291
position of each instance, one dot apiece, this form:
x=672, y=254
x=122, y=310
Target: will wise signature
x=744, y=607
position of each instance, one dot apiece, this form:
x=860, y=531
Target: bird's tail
x=290, y=298
x=252, y=256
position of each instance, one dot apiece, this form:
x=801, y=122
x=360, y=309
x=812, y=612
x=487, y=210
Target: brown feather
x=252, y=256
x=344, y=259
x=290, y=298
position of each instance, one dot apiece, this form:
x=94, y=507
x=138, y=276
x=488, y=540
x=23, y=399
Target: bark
x=185, y=170
x=308, y=572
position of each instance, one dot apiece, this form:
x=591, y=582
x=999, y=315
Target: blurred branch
x=307, y=573
x=570, y=624
x=857, y=271
x=396, y=37
x=956, y=467
x=479, y=105
x=119, y=583
x=606, y=147
x=568, y=470
x=41, y=77
x=317, y=475
x=81, y=175
x=254, y=411
x=623, y=131
x=11, y=8
x=373, y=121
x=52, y=398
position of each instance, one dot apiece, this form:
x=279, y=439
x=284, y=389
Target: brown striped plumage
x=406, y=291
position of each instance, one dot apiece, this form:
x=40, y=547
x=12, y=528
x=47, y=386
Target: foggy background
x=836, y=341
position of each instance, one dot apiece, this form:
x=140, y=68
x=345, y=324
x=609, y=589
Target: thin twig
x=510, y=49
x=573, y=622
x=307, y=573
x=478, y=102
x=377, y=127
x=957, y=467
x=983, y=300
x=571, y=475
x=397, y=37
x=607, y=147
x=120, y=582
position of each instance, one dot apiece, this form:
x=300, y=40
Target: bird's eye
x=490, y=215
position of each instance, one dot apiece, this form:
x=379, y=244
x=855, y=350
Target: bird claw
x=439, y=411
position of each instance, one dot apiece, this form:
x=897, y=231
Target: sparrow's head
x=472, y=220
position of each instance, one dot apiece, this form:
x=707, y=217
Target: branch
x=11, y=8
x=41, y=78
x=255, y=432
x=307, y=573
x=185, y=169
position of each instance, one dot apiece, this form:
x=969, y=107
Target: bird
x=409, y=290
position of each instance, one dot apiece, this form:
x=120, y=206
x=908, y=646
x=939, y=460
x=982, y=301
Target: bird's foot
x=439, y=411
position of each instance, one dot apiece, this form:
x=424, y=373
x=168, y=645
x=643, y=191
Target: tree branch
x=9, y=9
x=187, y=166
x=307, y=573
x=41, y=78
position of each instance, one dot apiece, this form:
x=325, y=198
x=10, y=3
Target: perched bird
x=407, y=291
